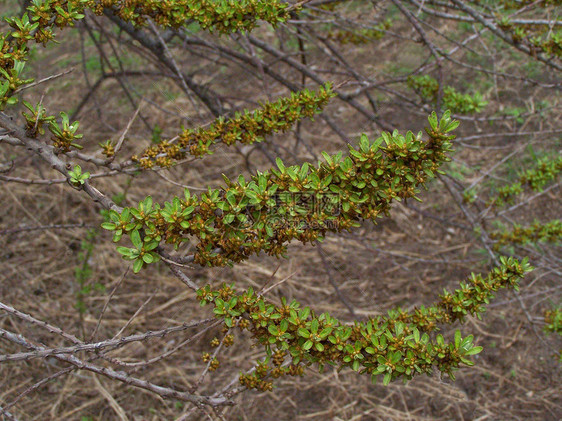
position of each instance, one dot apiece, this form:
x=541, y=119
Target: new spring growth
x=553, y=320
x=271, y=209
x=247, y=127
x=546, y=170
x=362, y=35
x=549, y=232
x=542, y=38
x=77, y=177
x=400, y=345
x=428, y=88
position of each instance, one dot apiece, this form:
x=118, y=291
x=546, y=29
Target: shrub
x=261, y=214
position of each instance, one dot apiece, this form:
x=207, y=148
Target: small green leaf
x=136, y=240
x=125, y=251
x=137, y=266
x=108, y=226
x=457, y=339
x=474, y=350
x=304, y=333
x=387, y=378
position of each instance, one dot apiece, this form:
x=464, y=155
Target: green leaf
x=457, y=339
x=304, y=333
x=125, y=251
x=148, y=202
x=433, y=120
x=452, y=126
x=416, y=335
x=387, y=378
x=314, y=326
x=325, y=332
x=376, y=144
x=303, y=171
x=327, y=157
x=364, y=143
x=108, y=226
x=137, y=266
x=136, y=240
x=231, y=198
x=269, y=230
x=474, y=350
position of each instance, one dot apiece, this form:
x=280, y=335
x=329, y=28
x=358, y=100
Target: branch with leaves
x=397, y=346
x=274, y=208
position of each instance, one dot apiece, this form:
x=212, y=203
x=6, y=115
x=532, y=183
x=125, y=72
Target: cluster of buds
x=253, y=381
